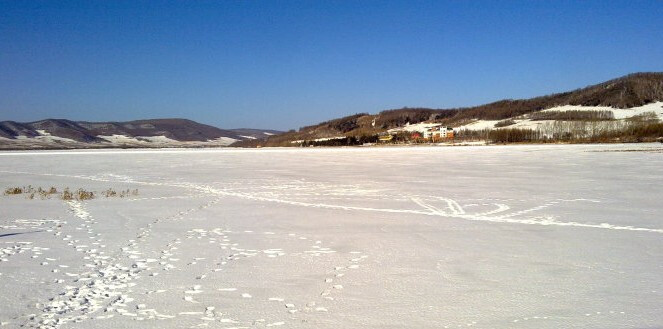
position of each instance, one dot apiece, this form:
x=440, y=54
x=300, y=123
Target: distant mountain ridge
x=625, y=92
x=67, y=133
x=629, y=91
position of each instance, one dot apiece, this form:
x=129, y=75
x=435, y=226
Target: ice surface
x=551, y=236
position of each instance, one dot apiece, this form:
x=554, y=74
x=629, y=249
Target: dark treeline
x=505, y=123
x=574, y=115
x=347, y=141
x=400, y=117
x=343, y=124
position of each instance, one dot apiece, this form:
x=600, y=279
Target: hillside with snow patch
x=158, y=133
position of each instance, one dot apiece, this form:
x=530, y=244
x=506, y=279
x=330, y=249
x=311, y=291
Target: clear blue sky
x=283, y=64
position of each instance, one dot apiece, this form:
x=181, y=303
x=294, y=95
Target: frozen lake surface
x=541, y=236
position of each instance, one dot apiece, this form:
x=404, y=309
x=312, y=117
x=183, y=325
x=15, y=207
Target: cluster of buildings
x=426, y=131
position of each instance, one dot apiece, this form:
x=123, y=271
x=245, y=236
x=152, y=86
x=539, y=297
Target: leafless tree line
x=632, y=129
x=573, y=115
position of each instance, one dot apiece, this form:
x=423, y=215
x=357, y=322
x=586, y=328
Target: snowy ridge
x=156, y=133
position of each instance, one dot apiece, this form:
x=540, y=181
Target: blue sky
x=285, y=64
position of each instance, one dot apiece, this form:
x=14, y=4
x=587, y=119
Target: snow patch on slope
x=224, y=141
x=46, y=137
x=524, y=123
x=479, y=125
x=656, y=107
x=119, y=139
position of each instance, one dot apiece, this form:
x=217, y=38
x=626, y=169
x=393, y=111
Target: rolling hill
x=60, y=133
x=625, y=92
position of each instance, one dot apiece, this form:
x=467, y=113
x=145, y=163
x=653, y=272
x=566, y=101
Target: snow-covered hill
x=57, y=133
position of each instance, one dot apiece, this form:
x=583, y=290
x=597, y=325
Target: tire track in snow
x=470, y=217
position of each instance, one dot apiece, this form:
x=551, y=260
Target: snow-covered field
x=544, y=236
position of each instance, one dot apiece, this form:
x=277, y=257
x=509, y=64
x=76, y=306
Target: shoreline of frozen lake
x=283, y=148
x=518, y=236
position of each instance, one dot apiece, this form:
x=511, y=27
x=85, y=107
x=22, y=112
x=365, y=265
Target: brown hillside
x=629, y=91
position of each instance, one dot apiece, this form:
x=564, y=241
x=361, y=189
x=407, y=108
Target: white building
x=427, y=130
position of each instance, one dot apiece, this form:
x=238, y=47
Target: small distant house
x=422, y=128
x=385, y=137
x=428, y=131
x=442, y=132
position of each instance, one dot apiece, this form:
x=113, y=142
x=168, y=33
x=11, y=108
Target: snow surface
x=536, y=236
x=478, y=125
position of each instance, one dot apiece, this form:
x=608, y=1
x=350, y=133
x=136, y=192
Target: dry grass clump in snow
x=109, y=193
x=13, y=191
x=67, y=194
x=31, y=191
x=45, y=193
x=79, y=194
